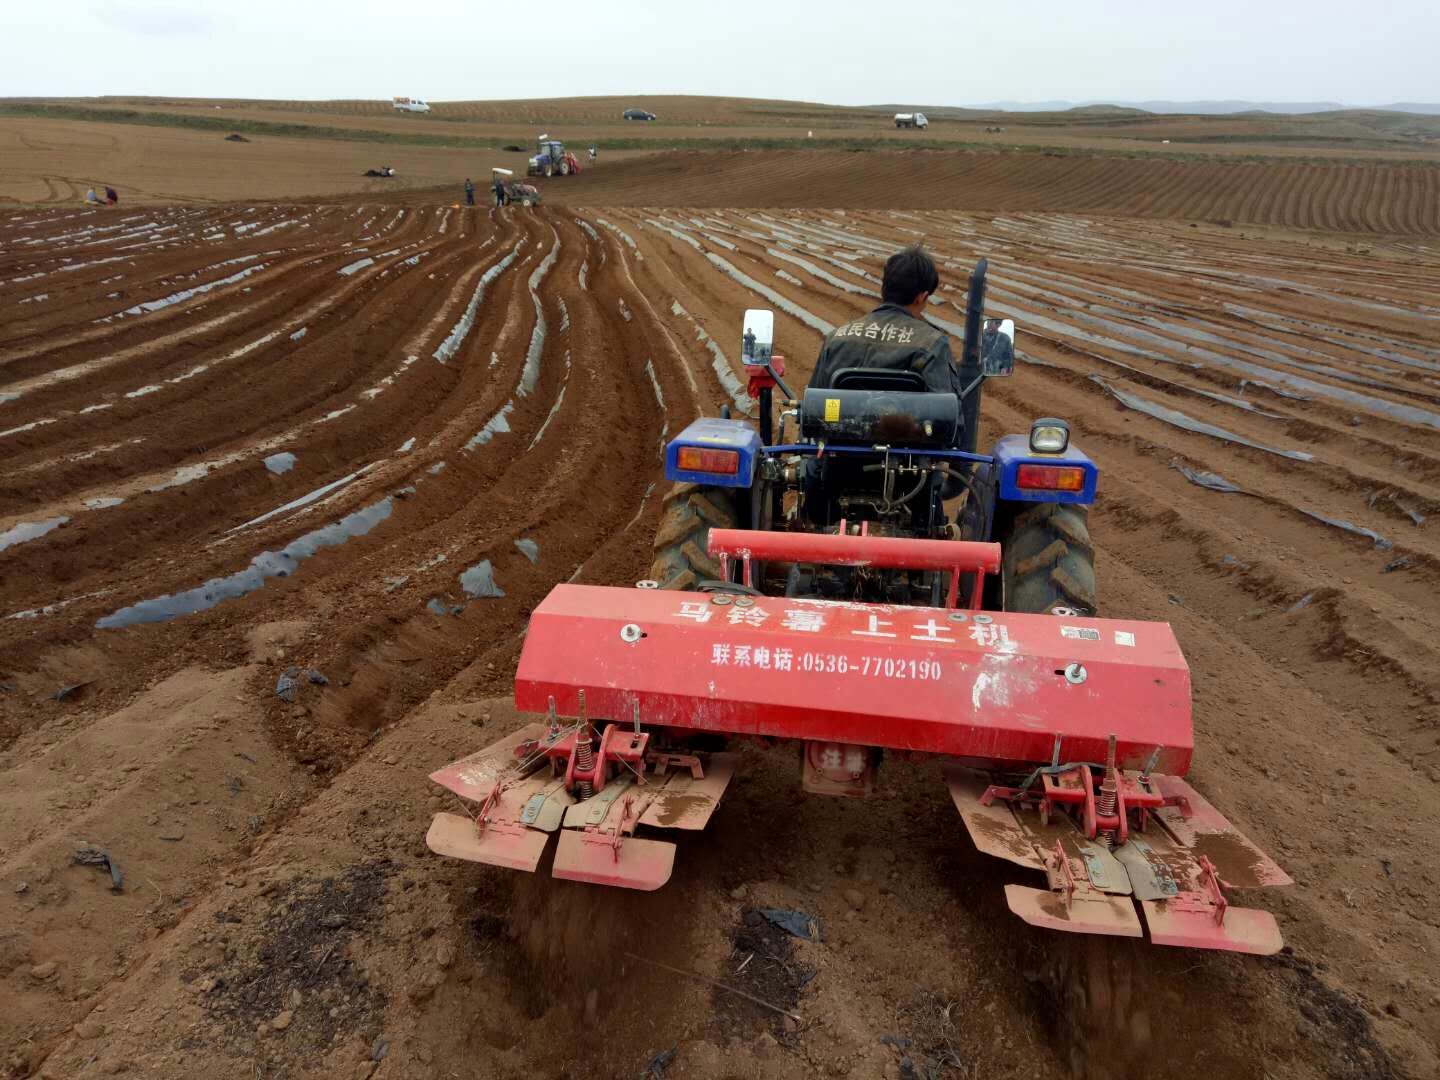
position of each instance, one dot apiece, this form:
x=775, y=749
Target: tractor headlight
x=1049, y=436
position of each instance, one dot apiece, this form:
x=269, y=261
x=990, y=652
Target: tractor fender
x=1013, y=452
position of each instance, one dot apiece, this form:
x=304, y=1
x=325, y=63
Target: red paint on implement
x=905, y=678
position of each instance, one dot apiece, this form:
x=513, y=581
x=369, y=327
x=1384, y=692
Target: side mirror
x=997, y=348
x=757, y=342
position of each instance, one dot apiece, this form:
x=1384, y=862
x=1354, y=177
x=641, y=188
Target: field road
x=239, y=439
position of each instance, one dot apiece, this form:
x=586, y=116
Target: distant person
x=594, y=155
x=749, y=350
x=469, y=192
x=499, y=191
x=92, y=198
x=110, y=197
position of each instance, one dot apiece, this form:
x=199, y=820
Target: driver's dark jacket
x=893, y=339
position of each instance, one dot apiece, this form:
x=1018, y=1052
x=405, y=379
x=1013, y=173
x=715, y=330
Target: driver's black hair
x=908, y=273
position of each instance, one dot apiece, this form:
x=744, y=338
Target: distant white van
x=911, y=120
x=409, y=104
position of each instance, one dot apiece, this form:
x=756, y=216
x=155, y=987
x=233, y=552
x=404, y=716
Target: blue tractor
x=858, y=583
x=552, y=159
x=875, y=457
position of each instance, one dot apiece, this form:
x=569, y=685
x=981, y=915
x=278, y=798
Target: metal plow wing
x=515, y=802
x=1175, y=874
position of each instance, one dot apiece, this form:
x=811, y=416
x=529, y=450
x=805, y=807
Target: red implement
x=1065, y=737
x=995, y=689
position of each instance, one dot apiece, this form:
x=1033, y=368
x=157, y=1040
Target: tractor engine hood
x=994, y=689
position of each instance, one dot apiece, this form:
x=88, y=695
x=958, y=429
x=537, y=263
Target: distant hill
x=1212, y=108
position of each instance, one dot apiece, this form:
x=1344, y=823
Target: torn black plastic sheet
x=1175, y=418
x=1381, y=543
x=1278, y=391
x=1224, y=399
x=90, y=855
x=266, y=565
x=289, y=683
x=479, y=582
x=795, y=923
x=1213, y=481
x=1216, y=482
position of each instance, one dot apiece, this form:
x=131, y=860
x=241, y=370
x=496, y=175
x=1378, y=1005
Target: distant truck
x=409, y=104
x=911, y=120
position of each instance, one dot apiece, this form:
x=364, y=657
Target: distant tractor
x=911, y=120
x=409, y=104
x=552, y=159
x=514, y=190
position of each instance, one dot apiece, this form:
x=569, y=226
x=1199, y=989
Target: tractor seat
x=855, y=378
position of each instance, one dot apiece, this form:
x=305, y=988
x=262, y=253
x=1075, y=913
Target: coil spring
x=1105, y=807
x=584, y=762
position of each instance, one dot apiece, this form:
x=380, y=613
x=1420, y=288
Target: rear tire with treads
x=1049, y=560
x=691, y=511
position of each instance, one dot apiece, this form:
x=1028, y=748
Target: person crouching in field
x=111, y=198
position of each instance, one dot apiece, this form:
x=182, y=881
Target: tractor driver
x=895, y=336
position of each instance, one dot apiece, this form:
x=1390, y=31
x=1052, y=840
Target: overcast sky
x=835, y=51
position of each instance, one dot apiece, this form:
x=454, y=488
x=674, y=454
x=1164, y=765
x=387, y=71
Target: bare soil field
x=50, y=162
x=54, y=162
x=1348, y=134
x=1339, y=197
x=246, y=440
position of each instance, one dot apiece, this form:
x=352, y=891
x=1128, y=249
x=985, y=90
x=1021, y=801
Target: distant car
x=637, y=114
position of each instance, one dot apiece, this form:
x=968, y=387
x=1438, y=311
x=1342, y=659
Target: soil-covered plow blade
x=545, y=781
x=1111, y=842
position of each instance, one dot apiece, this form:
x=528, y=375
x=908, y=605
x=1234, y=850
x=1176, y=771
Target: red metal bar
x=887, y=552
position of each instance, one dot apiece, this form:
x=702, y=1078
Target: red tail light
x=1050, y=478
x=698, y=459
